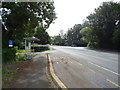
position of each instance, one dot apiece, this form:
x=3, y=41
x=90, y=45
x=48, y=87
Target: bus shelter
x=28, y=41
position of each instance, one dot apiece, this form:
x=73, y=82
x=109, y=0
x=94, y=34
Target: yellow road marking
x=80, y=64
x=113, y=83
x=92, y=70
x=60, y=83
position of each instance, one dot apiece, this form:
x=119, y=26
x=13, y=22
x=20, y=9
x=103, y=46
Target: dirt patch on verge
x=13, y=71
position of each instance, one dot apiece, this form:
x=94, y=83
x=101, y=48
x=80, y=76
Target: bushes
x=41, y=48
x=9, y=55
x=20, y=57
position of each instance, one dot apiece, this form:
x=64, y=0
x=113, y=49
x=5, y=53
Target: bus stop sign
x=10, y=43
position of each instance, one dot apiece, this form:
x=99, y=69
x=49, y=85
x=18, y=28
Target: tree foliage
x=72, y=37
x=100, y=30
x=104, y=25
x=23, y=18
x=42, y=35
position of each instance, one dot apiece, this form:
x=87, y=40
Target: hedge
x=40, y=48
x=22, y=51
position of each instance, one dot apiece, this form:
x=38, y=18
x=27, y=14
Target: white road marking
x=104, y=68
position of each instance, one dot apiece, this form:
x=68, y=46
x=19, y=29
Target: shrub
x=20, y=57
x=41, y=48
x=9, y=55
x=16, y=47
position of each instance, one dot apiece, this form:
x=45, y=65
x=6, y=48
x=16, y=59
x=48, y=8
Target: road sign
x=10, y=43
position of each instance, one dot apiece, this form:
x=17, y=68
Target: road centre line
x=80, y=64
x=103, y=68
x=113, y=83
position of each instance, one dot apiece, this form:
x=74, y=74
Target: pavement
x=78, y=67
x=34, y=76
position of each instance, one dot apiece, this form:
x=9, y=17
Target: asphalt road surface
x=79, y=67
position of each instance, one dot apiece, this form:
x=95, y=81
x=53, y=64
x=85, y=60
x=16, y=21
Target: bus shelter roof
x=31, y=38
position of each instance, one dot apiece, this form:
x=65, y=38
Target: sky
x=71, y=12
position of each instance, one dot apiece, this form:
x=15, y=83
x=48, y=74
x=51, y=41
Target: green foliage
x=11, y=74
x=22, y=51
x=103, y=22
x=73, y=36
x=20, y=20
x=20, y=57
x=42, y=35
x=9, y=55
x=86, y=33
x=7, y=74
x=116, y=37
x=100, y=30
x=4, y=70
x=4, y=38
x=16, y=47
x=23, y=17
x=57, y=40
x=41, y=48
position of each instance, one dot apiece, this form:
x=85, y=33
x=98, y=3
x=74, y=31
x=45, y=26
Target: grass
x=7, y=75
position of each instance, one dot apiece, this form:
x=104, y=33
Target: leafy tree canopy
x=42, y=35
x=23, y=17
x=103, y=22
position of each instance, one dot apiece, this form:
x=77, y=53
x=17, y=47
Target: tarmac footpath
x=35, y=75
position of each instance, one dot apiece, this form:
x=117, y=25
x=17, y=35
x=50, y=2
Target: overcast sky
x=71, y=12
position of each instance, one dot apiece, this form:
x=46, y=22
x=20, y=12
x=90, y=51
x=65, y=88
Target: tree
x=23, y=18
x=60, y=39
x=103, y=22
x=116, y=37
x=57, y=40
x=73, y=35
x=42, y=35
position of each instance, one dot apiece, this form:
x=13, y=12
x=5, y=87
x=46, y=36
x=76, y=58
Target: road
x=79, y=67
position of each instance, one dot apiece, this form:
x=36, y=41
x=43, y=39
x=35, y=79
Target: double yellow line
x=55, y=77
